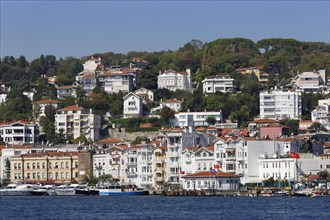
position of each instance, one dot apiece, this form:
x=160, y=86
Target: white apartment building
x=133, y=105
x=185, y=119
x=213, y=84
x=173, y=104
x=19, y=132
x=280, y=104
x=65, y=91
x=292, y=169
x=240, y=155
x=111, y=161
x=39, y=107
x=278, y=168
x=197, y=159
x=173, y=80
x=140, y=168
x=177, y=141
x=76, y=121
x=310, y=81
x=91, y=64
x=113, y=82
x=322, y=113
x=215, y=181
x=146, y=94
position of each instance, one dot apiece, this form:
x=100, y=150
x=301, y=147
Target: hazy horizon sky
x=81, y=28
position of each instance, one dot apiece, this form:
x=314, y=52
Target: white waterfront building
x=140, y=164
x=178, y=140
x=206, y=180
x=278, y=168
x=240, y=155
x=111, y=161
x=197, y=159
x=280, y=104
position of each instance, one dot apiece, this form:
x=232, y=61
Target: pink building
x=273, y=130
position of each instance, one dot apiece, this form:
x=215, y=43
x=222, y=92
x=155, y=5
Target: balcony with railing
x=159, y=170
x=159, y=178
x=131, y=173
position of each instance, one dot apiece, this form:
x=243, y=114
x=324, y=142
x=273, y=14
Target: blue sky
x=81, y=28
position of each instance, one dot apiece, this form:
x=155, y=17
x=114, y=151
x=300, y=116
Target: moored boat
x=46, y=190
x=18, y=190
x=303, y=192
x=66, y=190
x=273, y=193
x=121, y=189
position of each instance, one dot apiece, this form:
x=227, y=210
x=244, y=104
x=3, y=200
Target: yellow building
x=51, y=167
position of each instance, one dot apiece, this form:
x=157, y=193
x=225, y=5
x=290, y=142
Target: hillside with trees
x=282, y=59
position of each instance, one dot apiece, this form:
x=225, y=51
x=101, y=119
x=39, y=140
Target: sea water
x=163, y=207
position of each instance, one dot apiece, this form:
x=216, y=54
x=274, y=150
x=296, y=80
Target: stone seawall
x=123, y=135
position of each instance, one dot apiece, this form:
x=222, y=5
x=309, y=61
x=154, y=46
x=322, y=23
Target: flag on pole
x=182, y=172
x=294, y=155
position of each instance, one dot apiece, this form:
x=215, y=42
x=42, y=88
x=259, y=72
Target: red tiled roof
x=274, y=126
x=109, y=140
x=210, y=148
x=326, y=144
x=88, y=77
x=306, y=122
x=19, y=121
x=71, y=108
x=243, y=132
x=311, y=177
x=51, y=154
x=15, y=147
x=265, y=120
x=200, y=128
x=193, y=148
x=122, y=146
x=211, y=174
x=46, y=101
x=287, y=139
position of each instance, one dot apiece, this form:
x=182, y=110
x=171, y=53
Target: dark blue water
x=163, y=207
